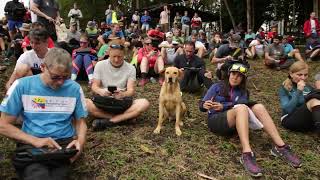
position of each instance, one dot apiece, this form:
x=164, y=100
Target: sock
x=281, y=146
x=316, y=116
x=144, y=75
x=73, y=77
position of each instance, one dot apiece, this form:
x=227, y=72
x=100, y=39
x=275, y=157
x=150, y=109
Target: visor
x=239, y=68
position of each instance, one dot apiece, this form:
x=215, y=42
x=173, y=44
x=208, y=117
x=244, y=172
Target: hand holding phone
x=112, y=89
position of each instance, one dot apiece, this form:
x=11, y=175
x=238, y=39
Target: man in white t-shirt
x=164, y=19
x=29, y=62
x=199, y=46
x=117, y=73
x=108, y=14
x=170, y=49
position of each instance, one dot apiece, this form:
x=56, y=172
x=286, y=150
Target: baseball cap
x=169, y=34
x=238, y=67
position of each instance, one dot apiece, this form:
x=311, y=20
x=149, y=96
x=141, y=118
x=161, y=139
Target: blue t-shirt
x=287, y=48
x=45, y=112
x=118, y=34
x=145, y=19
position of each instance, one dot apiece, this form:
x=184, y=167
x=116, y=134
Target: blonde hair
x=295, y=67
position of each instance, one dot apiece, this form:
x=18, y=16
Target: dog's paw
x=156, y=131
x=181, y=123
x=178, y=132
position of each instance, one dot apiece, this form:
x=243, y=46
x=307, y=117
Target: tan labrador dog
x=170, y=100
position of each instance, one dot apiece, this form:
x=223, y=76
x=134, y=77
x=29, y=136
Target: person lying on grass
x=230, y=111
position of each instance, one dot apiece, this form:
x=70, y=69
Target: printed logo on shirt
x=39, y=102
x=46, y=104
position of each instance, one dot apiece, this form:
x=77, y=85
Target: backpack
x=111, y=104
x=18, y=10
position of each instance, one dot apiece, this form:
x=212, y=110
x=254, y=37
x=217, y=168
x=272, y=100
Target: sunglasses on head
x=116, y=46
x=239, y=68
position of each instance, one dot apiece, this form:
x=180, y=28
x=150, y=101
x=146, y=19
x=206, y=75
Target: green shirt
x=102, y=50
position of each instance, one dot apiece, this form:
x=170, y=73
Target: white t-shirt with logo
x=29, y=58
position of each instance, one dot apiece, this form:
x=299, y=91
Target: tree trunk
x=220, y=16
x=248, y=14
x=230, y=14
x=252, y=15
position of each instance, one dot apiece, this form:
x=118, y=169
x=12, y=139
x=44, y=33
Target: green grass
x=134, y=152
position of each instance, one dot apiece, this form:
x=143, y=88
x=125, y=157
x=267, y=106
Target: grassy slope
x=134, y=152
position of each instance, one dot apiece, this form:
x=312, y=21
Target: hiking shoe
x=248, y=160
x=101, y=124
x=143, y=82
x=161, y=80
x=286, y=154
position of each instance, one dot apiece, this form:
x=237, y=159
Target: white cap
x=169, y=34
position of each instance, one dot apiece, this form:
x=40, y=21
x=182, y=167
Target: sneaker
x=143, y=82
x=286, y=154
x=101, y=124
x=248, y=160
x=161, y=80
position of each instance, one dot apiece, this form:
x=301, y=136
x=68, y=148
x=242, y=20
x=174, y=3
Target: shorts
x=218, y=124
x=108, y=20
x=13, y=25
x=299, y=120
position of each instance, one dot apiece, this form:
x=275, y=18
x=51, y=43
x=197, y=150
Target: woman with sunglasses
x=299, y=104
x=230, y=111
x=83, y=56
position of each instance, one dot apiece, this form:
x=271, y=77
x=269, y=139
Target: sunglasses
x=147, y=43
x=239, y=68
x=116, y=46
x=56, y=77
x=83, y=42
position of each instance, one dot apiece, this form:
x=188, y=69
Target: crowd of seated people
x=118, y=58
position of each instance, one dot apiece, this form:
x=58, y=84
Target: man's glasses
x=116, y=46
x=83, y=42
x=56, y=77
x=147, y=43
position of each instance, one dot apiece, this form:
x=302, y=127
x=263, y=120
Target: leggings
x=79, y=61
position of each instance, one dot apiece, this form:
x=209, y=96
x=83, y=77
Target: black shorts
x=218, y=124
x=299, y=120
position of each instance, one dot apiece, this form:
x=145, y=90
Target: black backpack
x=112, y=105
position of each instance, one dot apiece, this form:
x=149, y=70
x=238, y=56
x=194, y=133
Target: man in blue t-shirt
x=289, y=51
x=115, y=33
x=52, y=108
x=145, y=21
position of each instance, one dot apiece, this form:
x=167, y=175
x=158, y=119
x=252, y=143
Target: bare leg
x=238, y=117
x=144, y=66
x=139, y=106
x=269, y=127
x=313, y=102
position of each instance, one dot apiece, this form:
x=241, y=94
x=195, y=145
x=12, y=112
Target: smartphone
x=112, y=89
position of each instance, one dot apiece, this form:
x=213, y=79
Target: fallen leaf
x=144, y=148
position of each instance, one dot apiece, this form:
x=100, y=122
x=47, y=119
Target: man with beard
x=193, y=70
